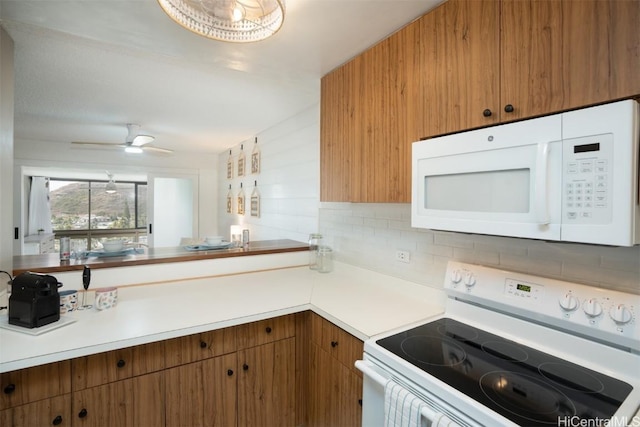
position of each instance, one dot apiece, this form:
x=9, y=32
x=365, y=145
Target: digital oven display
x=585, y=148
x=523, y=288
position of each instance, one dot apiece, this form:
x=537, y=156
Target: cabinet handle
x=10, y=389
x=486, y=113
x=508, y=108
x=121, y=363
x=57, y=421
x=82, y=413
x=334, y=344
x=229, y=372
x=268, y=329
x=203, y=344
x=360, y=402
x=245, y=367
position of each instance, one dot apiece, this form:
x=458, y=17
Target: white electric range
x=511, y=349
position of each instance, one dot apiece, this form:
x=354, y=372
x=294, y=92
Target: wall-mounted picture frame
x=240, y=201
x=255, y=201
x=241, y=162
x=230, y=166
x=255, y=158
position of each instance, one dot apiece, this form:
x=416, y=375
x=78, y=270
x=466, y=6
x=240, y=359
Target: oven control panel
x=601, y=313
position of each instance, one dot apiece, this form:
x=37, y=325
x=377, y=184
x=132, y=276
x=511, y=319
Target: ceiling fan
x=135, y=143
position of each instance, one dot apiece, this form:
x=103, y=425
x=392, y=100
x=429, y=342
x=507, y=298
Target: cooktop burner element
x=523, y=384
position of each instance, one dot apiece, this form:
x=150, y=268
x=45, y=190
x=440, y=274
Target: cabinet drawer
x=110, y=366
x=336, y=341
x=192, y=348
x=32, y=384
x=266, y=331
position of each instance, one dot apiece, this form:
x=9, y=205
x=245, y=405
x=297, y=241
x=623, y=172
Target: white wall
x=6, y=155
x=288, y=182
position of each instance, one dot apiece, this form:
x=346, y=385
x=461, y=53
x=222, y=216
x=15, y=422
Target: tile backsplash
x=368, y=235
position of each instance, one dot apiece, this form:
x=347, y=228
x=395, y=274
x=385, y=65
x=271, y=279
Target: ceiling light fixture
x=239, y=21
x=111, y=185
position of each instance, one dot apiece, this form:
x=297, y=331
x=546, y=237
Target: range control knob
x=469, y=280
x=568, y=302
x=620, y=314
x=592, y=307
x=456, y=276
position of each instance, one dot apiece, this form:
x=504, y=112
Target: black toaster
x=34, y=300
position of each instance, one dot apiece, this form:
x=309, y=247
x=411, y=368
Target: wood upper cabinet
x=457, y=83
x=464, y=65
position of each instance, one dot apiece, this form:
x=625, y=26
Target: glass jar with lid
x=325, y=259
x=315, y=240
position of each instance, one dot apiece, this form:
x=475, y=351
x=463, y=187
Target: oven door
x=381, y=406
x=504, y=180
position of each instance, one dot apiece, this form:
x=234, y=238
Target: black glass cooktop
x=527, y=386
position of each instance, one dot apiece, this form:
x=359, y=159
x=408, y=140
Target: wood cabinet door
x=134, y=402
x=266, y=384
x=48, y=412
x=339, y=131
x=335, y=392
x=202, y=393
x=459, y=67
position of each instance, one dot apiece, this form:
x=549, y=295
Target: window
x=85, y=212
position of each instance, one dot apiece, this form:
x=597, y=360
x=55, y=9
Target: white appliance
x=512, y=349
x=570, y=177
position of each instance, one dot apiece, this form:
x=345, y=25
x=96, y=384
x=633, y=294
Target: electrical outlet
x=403, y=256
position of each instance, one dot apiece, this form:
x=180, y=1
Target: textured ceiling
x=84, y=69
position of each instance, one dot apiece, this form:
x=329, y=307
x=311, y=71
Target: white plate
x=205, y=247
x=64, y=321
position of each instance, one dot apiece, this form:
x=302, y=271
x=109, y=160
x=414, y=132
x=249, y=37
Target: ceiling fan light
x=239, y=21
x=133, y=150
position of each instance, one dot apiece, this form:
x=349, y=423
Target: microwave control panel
x=587, y=178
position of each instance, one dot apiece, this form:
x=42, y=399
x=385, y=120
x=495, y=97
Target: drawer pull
x=57, y=421
x=334, y=344
x=10, y=389
x=203, y=344
x=508, y=108
x=229, y=372
x=121, y=363
x=268, y=329
x=487, y=113
x=245, y=367
x=360, y=402
x=82, y=413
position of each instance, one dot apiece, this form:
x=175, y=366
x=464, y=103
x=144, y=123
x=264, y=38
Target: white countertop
x=362, y=302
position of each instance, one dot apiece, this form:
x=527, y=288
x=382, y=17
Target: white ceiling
x=85, y=68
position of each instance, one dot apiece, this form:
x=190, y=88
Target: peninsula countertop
x=362, y=302
x=50, y=263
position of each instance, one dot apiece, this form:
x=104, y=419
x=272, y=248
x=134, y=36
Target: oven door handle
x=541, y=196
x=434, y=419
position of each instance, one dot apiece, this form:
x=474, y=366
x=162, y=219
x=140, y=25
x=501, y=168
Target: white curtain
x=39, y=208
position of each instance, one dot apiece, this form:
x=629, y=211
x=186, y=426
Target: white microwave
x=565, y=177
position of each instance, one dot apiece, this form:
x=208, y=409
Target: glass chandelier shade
x=239, y=21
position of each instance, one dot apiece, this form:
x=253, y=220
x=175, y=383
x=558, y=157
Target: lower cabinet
x=55, y=411
x=134, y=402
x=202, y=393
x=287, y=371
x=266, y=384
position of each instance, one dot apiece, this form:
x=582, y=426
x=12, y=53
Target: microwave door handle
x=541, y=199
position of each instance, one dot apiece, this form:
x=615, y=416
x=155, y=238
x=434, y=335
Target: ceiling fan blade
x=97, y=143
x=140, y=140
x=157, y=150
